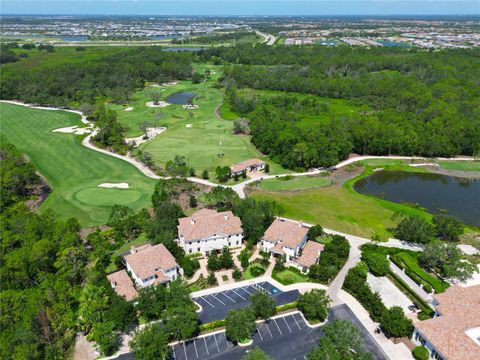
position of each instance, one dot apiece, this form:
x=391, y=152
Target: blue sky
x=242, y=7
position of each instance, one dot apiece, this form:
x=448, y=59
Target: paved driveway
x=216, y=305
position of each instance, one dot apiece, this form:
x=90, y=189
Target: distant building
x=454, y=332
x=208, y=230
x=247, y=166
x=284, y=237
x=122, y=284
x=151, y=265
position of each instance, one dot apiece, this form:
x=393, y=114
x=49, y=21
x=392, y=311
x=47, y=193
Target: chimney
x=225, y=216
x=192, y=221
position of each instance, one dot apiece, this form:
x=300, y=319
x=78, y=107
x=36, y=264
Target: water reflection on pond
x=181, y=97
x=460, y=197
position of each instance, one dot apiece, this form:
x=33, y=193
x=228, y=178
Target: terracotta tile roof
x=243, y=165
x=205, y=223
x=290, y=233
x=459, y=309
x=278, y=249
x=310, y=253
x=161, y=278
x=149, y=259
x=123, y=285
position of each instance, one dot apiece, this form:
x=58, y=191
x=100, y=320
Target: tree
x=256, y=354
x=151, y=301
x=223, y=173
x=239, y=325
x=197, y=78
x=314, y=305
x=192, y=201
x=226, y=260
x=324, y=351
x=211, y=279
x=214, y=262
x=205, y=174
x=315, y=232
x=447, y=260
x=236, y=274
x=151, y=343
x=106, y=338
x=181, y=322
x=243, y=257
x=267, y=168
x=394, y=323
x=414, y=229
x=279, y=263
x=378, y=264
x=448, y=227
x=263, y=305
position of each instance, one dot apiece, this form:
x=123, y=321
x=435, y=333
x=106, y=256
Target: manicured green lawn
x=295, y=183
x=208, y=142
x=248, y=272
x=342, y=208
x=73, y=171
x=460, y=165
x=227, y=113
x=290, y=276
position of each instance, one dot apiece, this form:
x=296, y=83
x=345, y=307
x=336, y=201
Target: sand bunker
x=73, y=130
x=190, y=107
x=170, y=83
x=189, y=126
x=149, y=135
x=129, y=108
x=114, y=185
x=159, y=104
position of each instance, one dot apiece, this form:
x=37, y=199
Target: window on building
x=198, y=249
x=190, y=251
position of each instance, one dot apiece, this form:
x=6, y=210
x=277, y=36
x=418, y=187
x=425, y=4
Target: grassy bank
x=294, y=183
x=460, y=165
x=73, y=171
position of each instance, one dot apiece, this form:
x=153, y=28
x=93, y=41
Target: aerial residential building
x=284, y=237
x=247, y=166
x=208, y=230
x=454, y=332
x=122, y=284
x=309, y=256
x=151, y=265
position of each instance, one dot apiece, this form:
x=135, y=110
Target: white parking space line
x=228, y=297
x=226, y=340
x=173, y=350
x=259, y=333
x=244, y=289
x=185, y=351
x=287, y=324
x=296, y=322
x=217, y=299
x=206, y=347
x=278, y=327
x=195, y=345
x=238, y=294
x=216, y=343
x=208, y=302
x=269, y=330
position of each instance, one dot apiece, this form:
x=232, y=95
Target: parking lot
x=215, y=306
x=284, y=337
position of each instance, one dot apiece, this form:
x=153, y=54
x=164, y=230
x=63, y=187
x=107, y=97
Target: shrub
x=448, y=227
x=314, y=232
x=421, y=353
x=257, y=271
x=211, y=279
x=243, y=257
x=377, y=263
x=263, y=305
x=236, y=274
x=314, y=305
x=394, y=323
x=239, y=325
x=414, y=229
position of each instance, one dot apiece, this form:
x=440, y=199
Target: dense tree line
x=422, y=103
x=112, y=76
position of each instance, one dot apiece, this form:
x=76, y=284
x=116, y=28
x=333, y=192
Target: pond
x=181, y=97
x=435, y=192
x=177, y=49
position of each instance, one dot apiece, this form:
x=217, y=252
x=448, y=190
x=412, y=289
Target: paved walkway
x=413, y=285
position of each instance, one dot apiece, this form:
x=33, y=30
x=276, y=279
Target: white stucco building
x=151, y=265
x=285, y=237
x=454, y=332
x=247, y=166
x=208, y=230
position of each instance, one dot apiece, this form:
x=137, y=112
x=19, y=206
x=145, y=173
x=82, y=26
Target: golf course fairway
x=71, y=170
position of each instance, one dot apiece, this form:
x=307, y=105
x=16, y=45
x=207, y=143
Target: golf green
x=71, y=170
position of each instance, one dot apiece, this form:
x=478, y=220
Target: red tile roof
x=290, y=233
x=123, y=285
x=206, y=223
x=147, y=260
x=459, y=309
x=310, y=253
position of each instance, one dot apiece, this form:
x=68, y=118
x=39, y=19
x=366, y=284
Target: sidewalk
x=413, y=285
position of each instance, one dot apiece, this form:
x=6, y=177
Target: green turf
x=207, y=144
x=247, y=275
x=290, y=276
x=342, y=208
x=73, y=171
x=227, y=113
x=295, y=183
x=460, y=165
